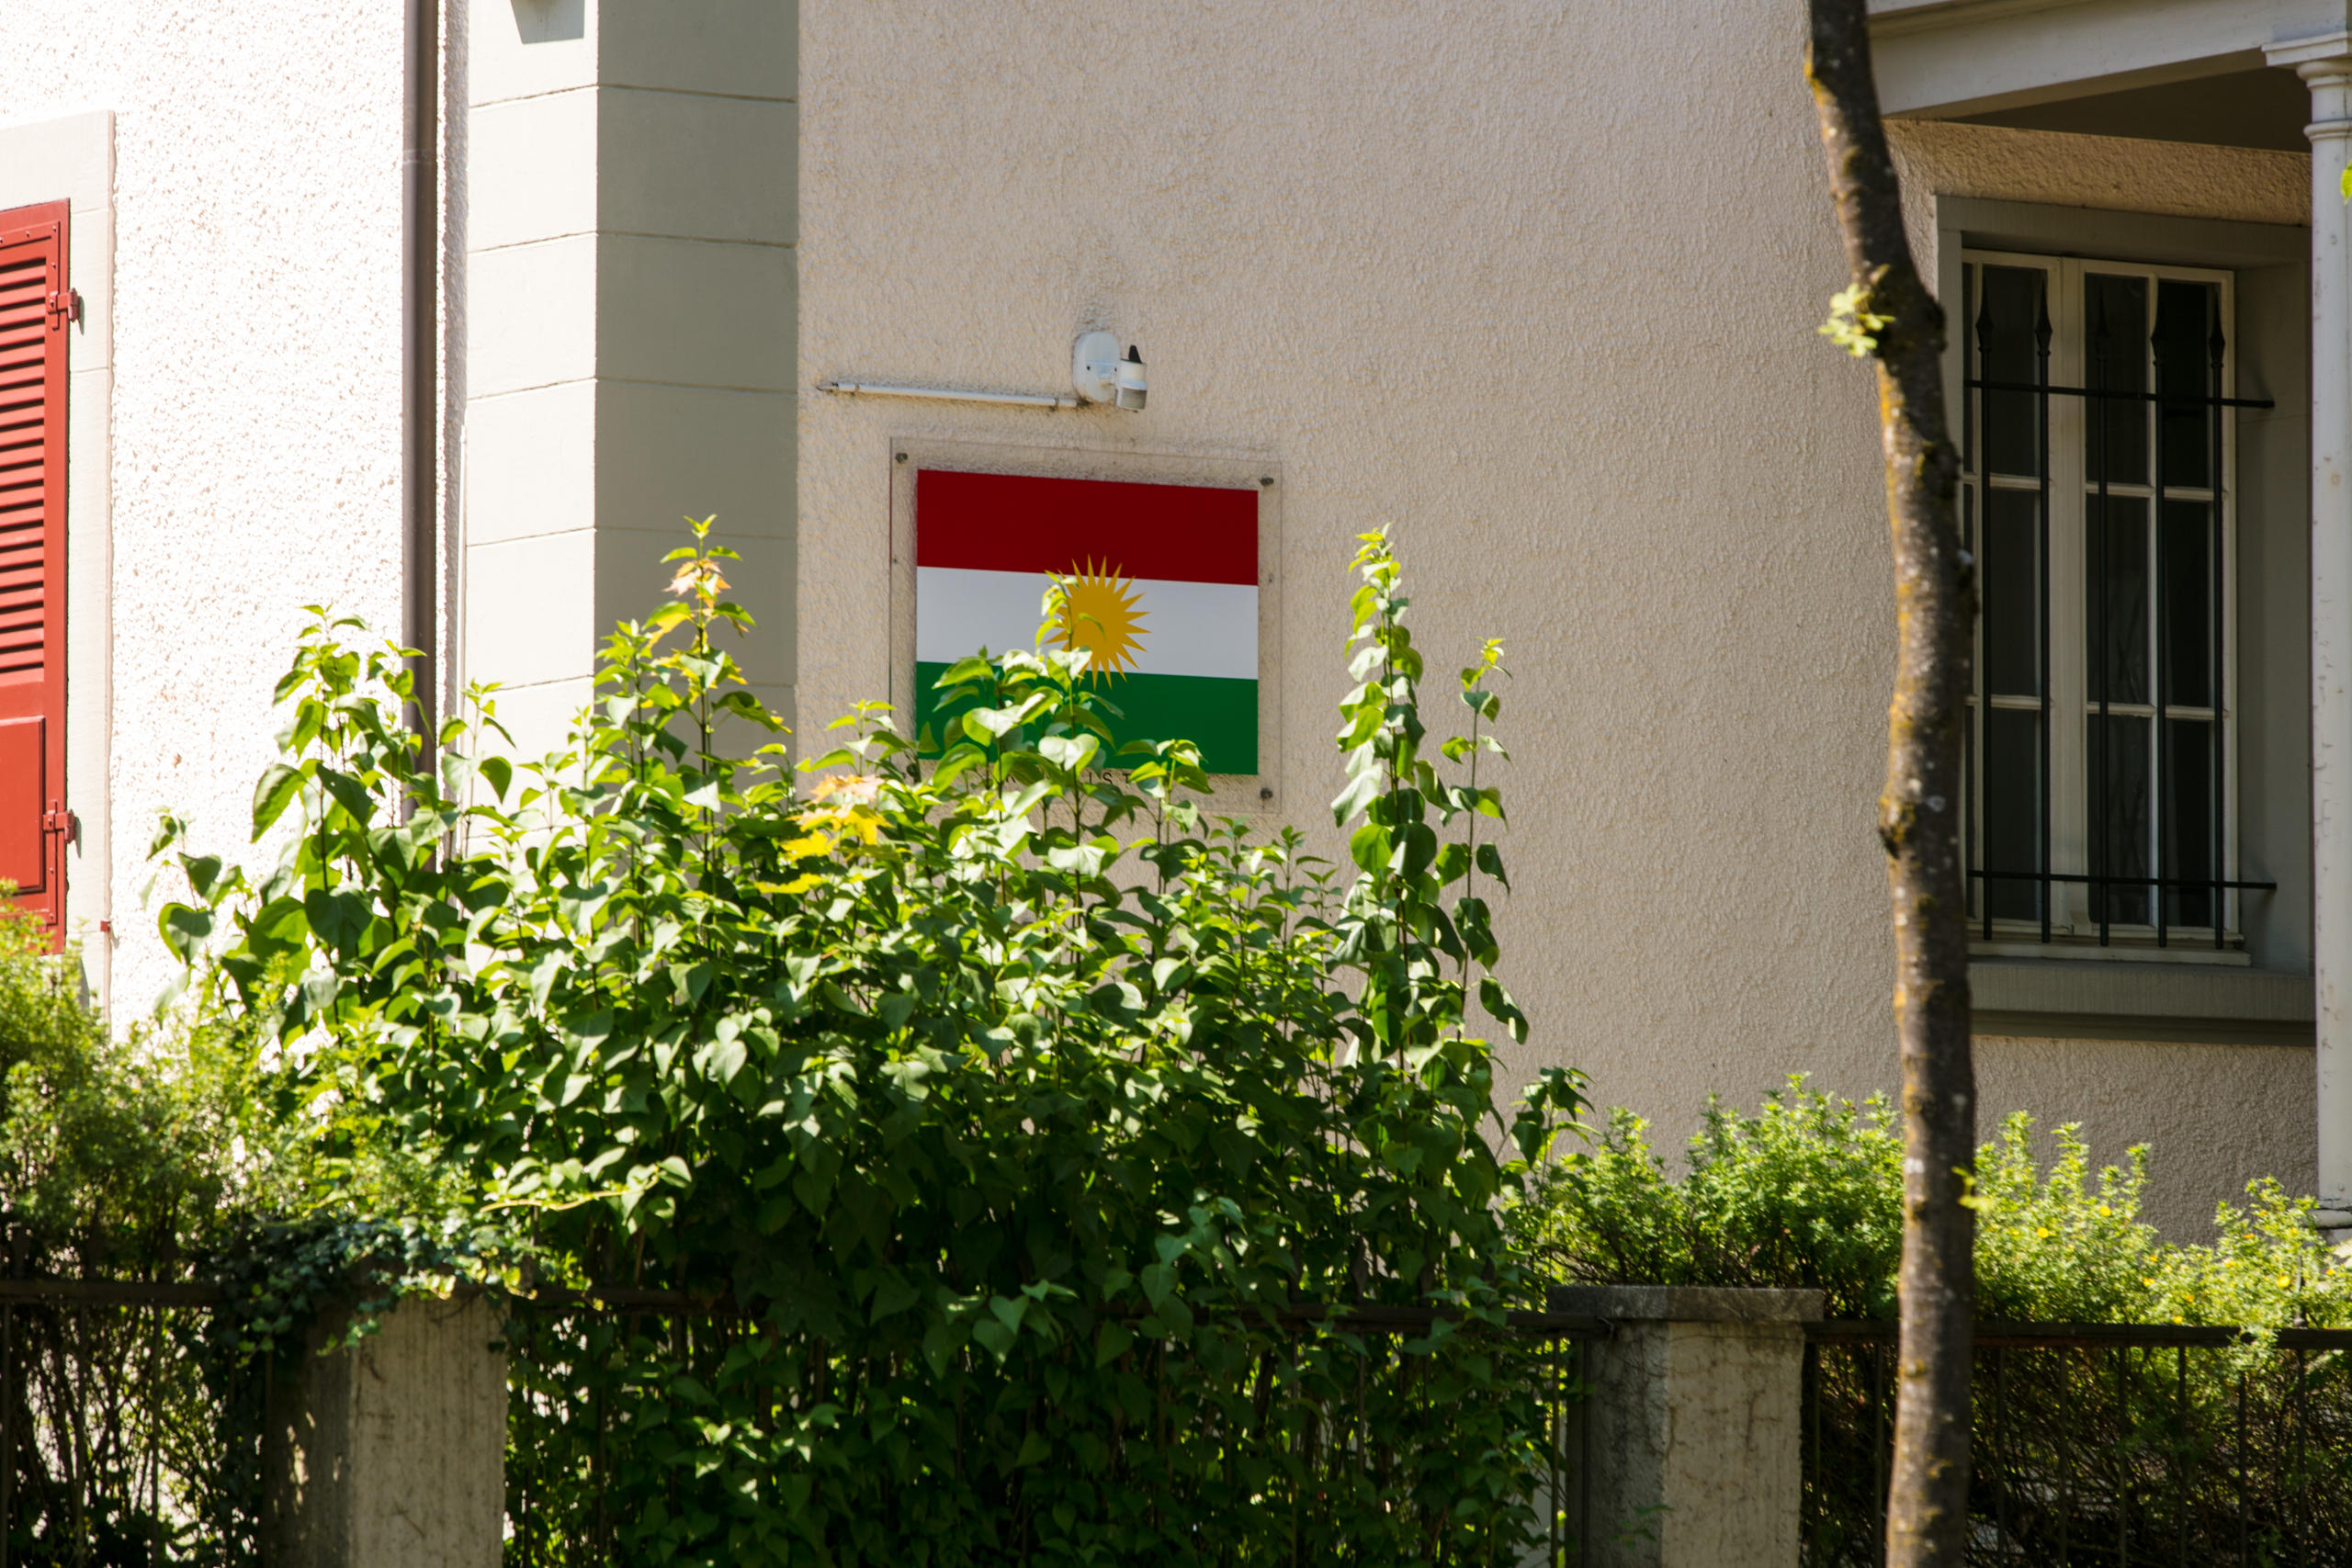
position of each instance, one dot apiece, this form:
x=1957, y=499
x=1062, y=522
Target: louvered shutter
x=36, y=309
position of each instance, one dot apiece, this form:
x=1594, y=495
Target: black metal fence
x=2134, y=1445
x=1351, y=1414
x=114, y=1450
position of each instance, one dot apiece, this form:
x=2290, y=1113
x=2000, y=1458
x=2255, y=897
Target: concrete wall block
x=1694, y=1424
x=532, y=316
x=518, y=49
x=392, y=1453
x=700, y=167
x=693, y=312
x=743, y=48
x=530, y=612
x=531, y=462
x=669, y=453
x=531, y=169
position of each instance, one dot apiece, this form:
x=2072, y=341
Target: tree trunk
x=1897, y=323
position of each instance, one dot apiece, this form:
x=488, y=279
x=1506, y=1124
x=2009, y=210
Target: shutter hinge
x=56, y=819
x=64, y=304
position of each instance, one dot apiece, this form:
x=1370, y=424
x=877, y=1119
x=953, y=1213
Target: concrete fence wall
x=391, y=1453
x=1693, y=1431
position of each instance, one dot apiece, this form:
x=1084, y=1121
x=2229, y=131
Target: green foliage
x=1852, y=324
x=1009, y=1109
x=1806, y=1192
x=160, y=1157
x=114, y=1155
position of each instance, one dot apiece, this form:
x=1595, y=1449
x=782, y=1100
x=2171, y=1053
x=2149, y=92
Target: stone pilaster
x=1694, y=1406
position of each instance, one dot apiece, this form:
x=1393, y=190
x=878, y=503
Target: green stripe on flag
x=1220, y=717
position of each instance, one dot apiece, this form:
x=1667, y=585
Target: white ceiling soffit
x=1940, y=58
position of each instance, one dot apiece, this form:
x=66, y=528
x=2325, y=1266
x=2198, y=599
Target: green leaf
x=349, y=793
x=182, y=929
x=1365, y=787
x=279, y=786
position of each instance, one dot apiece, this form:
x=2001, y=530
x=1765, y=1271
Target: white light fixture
x=1102, y=376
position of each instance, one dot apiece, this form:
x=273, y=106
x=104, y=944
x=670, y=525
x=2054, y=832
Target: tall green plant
x=1018, y=1110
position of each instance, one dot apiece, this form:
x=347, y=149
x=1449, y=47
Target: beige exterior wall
x=1496, y=278
x=235, y=435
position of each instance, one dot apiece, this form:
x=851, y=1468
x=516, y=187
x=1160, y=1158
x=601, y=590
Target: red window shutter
x=36, y=309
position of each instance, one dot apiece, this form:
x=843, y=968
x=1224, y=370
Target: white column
x=630, y=226
x=2326, y=65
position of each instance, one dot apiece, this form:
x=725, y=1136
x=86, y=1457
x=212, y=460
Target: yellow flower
x=2104, y=1210
x=2045, y=1230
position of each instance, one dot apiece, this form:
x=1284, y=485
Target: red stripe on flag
x=1025, y=523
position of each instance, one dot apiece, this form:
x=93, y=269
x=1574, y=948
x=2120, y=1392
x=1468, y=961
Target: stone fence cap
x=1686, y=1304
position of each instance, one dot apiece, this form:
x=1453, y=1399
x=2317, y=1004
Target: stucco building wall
x=255, y=319
x=1492, y=277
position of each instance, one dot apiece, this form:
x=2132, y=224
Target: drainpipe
x=419, y=358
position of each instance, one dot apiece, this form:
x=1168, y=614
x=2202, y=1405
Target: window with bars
x=2098, y=496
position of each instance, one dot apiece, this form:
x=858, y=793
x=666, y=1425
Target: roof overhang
x=1940, y=59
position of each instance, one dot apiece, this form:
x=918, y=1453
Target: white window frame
x=2073, y=920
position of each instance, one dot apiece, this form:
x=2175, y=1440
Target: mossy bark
x=1901, y=329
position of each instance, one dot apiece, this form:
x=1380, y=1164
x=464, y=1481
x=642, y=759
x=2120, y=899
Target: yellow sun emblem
x=1099, y=614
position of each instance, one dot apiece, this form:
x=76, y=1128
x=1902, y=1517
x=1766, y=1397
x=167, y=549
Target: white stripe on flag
x=1190, y=628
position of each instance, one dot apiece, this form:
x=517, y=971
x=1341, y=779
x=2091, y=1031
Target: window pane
x=2008, y=319
x=2188, y=817
x=2184, y=350
x=2187, y=635
x=2116, y=618
x=2009, y=571
x=2118, y=825
x=2013, y=812
x=2115, y=358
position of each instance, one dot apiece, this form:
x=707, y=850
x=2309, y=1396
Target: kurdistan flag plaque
x=1163, y=590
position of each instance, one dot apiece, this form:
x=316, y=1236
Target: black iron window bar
x=2100, y=878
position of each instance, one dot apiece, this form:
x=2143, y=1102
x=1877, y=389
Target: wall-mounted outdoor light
x=1099, y=374
x=1103, y=375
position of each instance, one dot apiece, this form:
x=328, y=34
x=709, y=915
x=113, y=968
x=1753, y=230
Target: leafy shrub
x=1806, y=1192
x=1008, y=1112
x=114, y=1155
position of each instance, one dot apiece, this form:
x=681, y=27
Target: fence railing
x=114, y=1446
x=2135, y=1446
x=1327, y=1408
x=2132, y=1446
x=126, y=1437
